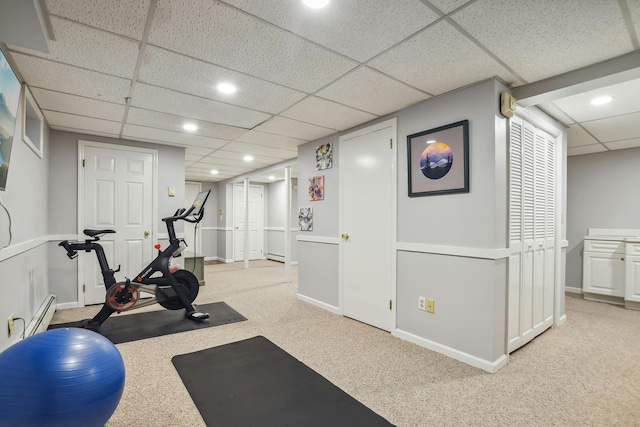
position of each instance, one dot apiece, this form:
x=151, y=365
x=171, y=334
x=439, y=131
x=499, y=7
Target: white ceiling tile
x=176, y=103
x=87, y=47
x=190, y=158
x=198, y=151
x=439, y=60
x=260, y=150
x=294, y=129
x=222, y=35
x=41, y=73
x=359, y=29
x=615, y=128
x=206, y=168
x=169, y=137
x=271, y=140
x=138, y=116
x=626, y=99
x=585, y=149
x=325, y=113
x=81, y=124
x=125, y=17
x=167, y=69
x=369, y=90
x=448, y=6
x=621, y=145
x=65, y=103
x=577, y=136
x=547, y=37
x=634, y=9
x=222, y=156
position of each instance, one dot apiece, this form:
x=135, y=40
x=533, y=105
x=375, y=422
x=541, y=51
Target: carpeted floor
x=585, y=373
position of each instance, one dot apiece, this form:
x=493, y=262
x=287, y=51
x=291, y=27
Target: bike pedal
x=197, y=316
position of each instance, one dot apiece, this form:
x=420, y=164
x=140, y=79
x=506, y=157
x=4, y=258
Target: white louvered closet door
x=531, y=232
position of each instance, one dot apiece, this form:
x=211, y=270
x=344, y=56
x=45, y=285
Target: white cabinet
x=611, y=266
x=604, y=267
x=632, y=272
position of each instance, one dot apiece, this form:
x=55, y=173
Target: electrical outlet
x=421, y=303
x=431, y=306
x=10, y=325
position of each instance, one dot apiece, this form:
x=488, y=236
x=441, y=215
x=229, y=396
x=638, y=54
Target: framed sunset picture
x=438, y=160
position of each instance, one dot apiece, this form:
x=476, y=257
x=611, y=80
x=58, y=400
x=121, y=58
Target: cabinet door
x=632, y=292
x=604, y=274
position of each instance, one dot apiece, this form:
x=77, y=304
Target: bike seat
x=94, y=233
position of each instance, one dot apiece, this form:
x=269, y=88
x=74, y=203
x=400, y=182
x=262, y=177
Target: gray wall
x=602, y=192
x=63, y=199
x=470, y=293
x=24, y=279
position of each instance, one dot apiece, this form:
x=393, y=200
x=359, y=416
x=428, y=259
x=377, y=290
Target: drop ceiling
x=140, y=69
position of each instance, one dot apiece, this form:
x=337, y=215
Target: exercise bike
x=173, y=290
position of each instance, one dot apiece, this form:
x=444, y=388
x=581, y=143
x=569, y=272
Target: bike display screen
x=198, y=203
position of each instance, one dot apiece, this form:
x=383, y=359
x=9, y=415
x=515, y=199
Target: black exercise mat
x=255, y=383
x=133, y=327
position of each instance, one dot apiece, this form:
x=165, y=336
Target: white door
x=532, y=207
x=116, y=193
x=367, y=224
x=255, y=222
x=191, y=190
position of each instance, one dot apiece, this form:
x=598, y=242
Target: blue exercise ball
x=61, y=377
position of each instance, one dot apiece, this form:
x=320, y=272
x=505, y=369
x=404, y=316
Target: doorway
x=115, y=191
x=368, y=224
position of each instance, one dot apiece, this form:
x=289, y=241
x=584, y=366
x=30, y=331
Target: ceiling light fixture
x=271, y=177
x=316, y=4
x=190, y=127
x=226, y=88
x=601, y=100
x=215, y=171
x=248, y=158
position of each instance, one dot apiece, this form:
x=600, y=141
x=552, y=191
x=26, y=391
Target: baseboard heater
x=42, y=318
x=275, y=257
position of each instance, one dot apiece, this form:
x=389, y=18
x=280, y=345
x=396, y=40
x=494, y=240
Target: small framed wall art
x=438, y=160
x=316, y=188
x=324, y=156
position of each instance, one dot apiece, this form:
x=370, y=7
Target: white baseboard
x=226, y=261
x=42, y=317
x=561, y=321
x=573, y=290
x=320, y=304
x=66, y=305
x=485, y=365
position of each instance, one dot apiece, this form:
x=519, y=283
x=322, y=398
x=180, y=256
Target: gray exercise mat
x=256, y=383
x=133, y=327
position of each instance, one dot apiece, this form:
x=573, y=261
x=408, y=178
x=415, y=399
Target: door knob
x=345, y=236
x=146, y=233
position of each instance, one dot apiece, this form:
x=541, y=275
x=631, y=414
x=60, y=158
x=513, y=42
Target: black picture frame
x=438, y=160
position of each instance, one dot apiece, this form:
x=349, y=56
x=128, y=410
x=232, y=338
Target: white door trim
x=154, y=215
x=392, y=123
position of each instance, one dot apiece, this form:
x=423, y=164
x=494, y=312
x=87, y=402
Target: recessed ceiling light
x=601, y=100
x=248, y=158
x=190, y=127
x=215, y=171
x=271, y=177
x=226, y=88
x=316, y=4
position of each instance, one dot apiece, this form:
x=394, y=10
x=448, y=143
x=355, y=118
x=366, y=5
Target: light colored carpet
x=585, y=373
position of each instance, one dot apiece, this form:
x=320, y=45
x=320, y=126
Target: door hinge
x=391, y=143
x=82, y=162
x=84, y=288
x=390, y=304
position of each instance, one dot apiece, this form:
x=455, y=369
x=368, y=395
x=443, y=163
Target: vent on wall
x=42, y=318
